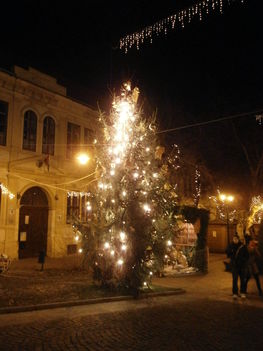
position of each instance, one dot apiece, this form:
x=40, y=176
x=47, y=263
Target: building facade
x=41, y=132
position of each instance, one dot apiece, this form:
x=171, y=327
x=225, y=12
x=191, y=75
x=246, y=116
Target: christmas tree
x=133, y=208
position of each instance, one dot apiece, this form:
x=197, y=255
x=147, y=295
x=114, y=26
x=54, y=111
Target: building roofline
x=13, y=74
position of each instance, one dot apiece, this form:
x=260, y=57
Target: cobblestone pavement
x=205, y=318
x=183, y=322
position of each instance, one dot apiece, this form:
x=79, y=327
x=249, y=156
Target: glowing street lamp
x=83, y=159
x=227, y=199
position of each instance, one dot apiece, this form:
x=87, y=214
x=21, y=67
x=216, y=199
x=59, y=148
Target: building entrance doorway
x=33, y=223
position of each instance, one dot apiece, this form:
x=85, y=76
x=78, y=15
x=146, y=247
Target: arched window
x=48, y=143
x=30, y=131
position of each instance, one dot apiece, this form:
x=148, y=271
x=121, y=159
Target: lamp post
x=226, y=199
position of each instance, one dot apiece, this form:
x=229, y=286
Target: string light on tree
x=177, y=20
x=197, y=193
x=132, y=197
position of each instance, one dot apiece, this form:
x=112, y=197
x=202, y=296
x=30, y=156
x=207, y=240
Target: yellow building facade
x=41, y=132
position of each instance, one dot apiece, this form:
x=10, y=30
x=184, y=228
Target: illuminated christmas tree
x=134, y=220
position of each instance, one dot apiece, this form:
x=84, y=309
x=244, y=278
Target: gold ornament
x=159, y=152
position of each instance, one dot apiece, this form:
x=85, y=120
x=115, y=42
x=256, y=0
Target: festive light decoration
x=179, y=19
x=6, y=191
x=255, y=211
x=221, y=202
x=133, y=205
x=197, y=186
x=78, y=193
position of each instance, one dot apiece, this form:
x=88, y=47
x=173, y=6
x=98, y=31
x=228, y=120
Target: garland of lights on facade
x=6, y=191
x=178, y=20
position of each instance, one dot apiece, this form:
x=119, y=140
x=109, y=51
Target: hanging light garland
x=7, y=192
x=78, y=193
x=179, y=19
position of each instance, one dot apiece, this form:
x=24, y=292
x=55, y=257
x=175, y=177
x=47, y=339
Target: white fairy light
x=146, y=208
x=124, y=247
x=169, y=243
x=122, y=236
x=202, y=8
x=6, y=191
x=120, y=262
x=80, y=250
x=106, y=245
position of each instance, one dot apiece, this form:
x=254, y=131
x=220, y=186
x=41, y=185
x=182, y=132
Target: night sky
x=207, y=70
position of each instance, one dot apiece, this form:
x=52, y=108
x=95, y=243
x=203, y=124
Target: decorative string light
x=221, y=207
x=6, y=191
x=255, y=211
x=197, y=186
x=179, y=19
x=132, y=186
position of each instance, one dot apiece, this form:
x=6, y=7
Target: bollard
x=41, y=259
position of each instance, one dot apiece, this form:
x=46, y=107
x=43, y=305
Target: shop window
x=73, y=139
x=30, y=131
x=3, y=122
x=48, y=142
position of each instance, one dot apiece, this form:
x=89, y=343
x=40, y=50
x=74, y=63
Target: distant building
x=41, y=130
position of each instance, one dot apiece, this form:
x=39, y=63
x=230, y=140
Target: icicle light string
x=179, y=19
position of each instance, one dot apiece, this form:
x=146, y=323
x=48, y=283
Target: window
x=3, y=122
x=48, y=143
x=30, y=131
x=77, y=208
x=73, y=139
x=88, y=136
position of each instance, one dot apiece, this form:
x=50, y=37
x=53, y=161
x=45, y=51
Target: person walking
x=252, y=262
x=238, y=254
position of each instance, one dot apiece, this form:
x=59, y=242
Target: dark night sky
x=209, y=69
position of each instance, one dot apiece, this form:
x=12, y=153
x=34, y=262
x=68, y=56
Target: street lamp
x=226, y=199
x=83, y=159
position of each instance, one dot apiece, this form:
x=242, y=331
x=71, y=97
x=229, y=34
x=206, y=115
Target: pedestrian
x=238, y=254
x=254, y=255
